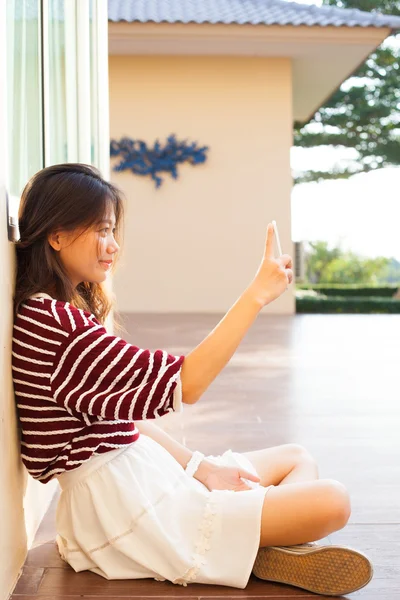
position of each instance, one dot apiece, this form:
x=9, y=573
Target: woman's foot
x=325, y=570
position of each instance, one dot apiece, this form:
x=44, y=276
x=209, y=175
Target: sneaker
x=325, y=570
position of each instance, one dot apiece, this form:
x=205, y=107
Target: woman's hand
x=217, y=477
x=274, y=275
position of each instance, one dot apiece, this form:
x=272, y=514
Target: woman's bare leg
x=303, y=512
x=289, y=463
x=308, y=509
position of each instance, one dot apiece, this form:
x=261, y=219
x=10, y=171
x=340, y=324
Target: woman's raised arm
x=206, y=361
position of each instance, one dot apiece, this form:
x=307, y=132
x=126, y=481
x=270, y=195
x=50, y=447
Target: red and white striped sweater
x=79, y=389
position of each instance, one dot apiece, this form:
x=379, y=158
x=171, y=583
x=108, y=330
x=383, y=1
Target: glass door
x=24, y=92
x=75, y=70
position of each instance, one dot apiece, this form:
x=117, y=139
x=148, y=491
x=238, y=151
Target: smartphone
x=277, y=238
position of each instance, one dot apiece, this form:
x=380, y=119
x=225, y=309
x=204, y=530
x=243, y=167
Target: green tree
x=352, y=269
x=318, y=257
x=364, y=113
x=391, y=274
x=325, y=265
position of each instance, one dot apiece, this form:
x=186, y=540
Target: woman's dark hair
x=62, y=197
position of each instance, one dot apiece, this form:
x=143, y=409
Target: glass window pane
x=57, y=132
x=71, y=81
x=24, y=101
x=62, y=115
x=94, y=84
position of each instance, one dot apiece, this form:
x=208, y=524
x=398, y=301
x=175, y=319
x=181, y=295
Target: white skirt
x=134, y=513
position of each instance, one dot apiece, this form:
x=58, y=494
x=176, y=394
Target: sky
x=361, y=214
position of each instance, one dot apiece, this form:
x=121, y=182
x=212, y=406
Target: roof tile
x=254, y=12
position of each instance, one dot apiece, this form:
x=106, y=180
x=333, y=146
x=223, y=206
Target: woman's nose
x=113, y=248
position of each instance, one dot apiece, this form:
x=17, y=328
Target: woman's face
x=87, y=254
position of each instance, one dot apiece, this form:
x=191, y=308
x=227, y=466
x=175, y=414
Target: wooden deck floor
x=328, y=382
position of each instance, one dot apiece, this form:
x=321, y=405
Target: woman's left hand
x=217, y=477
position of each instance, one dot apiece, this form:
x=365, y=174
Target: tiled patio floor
x=328, y=382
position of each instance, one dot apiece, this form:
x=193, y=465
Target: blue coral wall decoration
x=137, y=157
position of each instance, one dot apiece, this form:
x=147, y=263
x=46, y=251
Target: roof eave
x=322, y=57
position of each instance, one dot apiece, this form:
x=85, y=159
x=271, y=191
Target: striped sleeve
x=104, y=376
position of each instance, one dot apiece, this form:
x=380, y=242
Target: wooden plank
x=46, y=555
x=29, y=581
x=57, y=582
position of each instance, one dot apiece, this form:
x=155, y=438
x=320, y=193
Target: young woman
x=135, y=503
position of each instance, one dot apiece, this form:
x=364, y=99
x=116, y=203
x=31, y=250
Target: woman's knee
x=300, y=454
x=337, y=507
x=303, y=512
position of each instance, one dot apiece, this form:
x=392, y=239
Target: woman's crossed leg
x=301, y=508
x=306, y=510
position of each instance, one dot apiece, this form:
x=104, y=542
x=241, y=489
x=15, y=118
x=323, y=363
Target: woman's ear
x=54, y=240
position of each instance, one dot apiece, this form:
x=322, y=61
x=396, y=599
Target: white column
x=3, y=102
x=71, y=79
x=103, y=88
x=46, y=82
x=83, y=69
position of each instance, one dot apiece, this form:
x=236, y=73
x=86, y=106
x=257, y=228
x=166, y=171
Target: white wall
x=12, y=536
x=23, y=501
x=12, y=478
x=195, y=244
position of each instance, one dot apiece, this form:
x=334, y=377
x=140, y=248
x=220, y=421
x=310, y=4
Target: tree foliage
x=332, y=265
x=364, y=114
